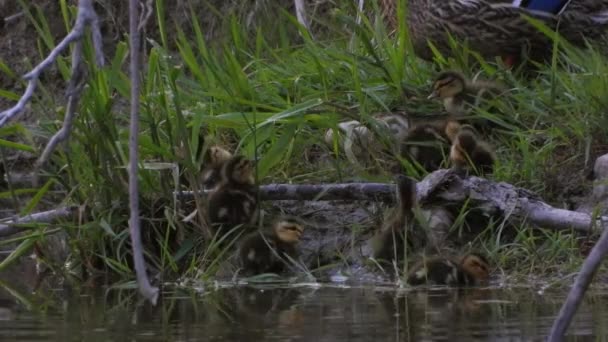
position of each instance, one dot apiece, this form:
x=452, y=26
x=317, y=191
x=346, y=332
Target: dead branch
x=301, y=15
x=15, y=226
x=149, y=292
x=86, y=16
x=11, y=18
x=443, y=187
x=74, y=89
x=581, y=284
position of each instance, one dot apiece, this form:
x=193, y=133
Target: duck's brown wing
x=491, y=29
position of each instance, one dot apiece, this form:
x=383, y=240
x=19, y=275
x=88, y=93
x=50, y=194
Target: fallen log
x=442, y=187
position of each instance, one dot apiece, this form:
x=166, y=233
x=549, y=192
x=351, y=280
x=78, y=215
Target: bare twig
x=301, y=15
x=10, y=18
x=581, y=284
x=360, y=8
x=13, y=227
x=74, y=90
x=86, y=16
x=149, y=292
x=147, y=10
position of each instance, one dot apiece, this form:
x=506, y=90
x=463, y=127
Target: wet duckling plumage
x=270, y=251
x=469, y=152
x=388, y=244
x=471, y=270
x=214, y=159
x=234, y=200
x=428, y=144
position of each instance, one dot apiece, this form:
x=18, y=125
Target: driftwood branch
x=148, y=291
x=86, y=16
x=581, y=284
x=441, y=187
x=14, y=226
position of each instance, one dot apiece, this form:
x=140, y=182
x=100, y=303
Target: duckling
x=213, y=160
x=388, y=244
x=470, y=270
x=234, y=200
x=458, y=93
x=468, y=151
x=271, y=251
x=428, y=144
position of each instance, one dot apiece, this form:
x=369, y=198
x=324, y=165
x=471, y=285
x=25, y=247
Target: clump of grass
x=274, y=98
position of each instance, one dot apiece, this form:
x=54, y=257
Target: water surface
x=307, y=312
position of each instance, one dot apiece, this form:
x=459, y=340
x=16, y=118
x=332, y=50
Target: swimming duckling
x=234, y=200
x=388, y=244
x=471, y=270
x=459, y=94
x=271, y=251
x=428, y=144
x=213, y=160
x=468, y=151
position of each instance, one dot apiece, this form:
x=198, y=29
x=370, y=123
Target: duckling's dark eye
x=292, y=228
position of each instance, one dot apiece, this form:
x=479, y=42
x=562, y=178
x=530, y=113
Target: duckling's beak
x=433, y=95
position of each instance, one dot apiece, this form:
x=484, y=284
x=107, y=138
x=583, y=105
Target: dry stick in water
x=86, y=16
x=581, y=284
x=149, y=292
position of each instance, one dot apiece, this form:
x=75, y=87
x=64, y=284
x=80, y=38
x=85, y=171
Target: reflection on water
x=305, y=313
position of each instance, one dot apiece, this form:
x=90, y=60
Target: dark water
x=308, y=312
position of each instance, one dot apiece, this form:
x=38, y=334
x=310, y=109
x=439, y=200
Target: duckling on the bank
x=470, y=270
x=429, y=144
x=214, y=159
x=389, y=243
x=469, y=152
x=234, y=201
x=459, y=94
x=271, y=251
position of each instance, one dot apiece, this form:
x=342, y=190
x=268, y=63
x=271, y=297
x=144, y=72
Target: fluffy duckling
x=428, y=144
x=271, y=251
x=388, y=244
x=234, y=200
x=213, y=160
x=468, y=151
x=459, y=94
x=470, y=270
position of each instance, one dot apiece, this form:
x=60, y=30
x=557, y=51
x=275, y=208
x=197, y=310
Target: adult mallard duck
x=498, y=27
